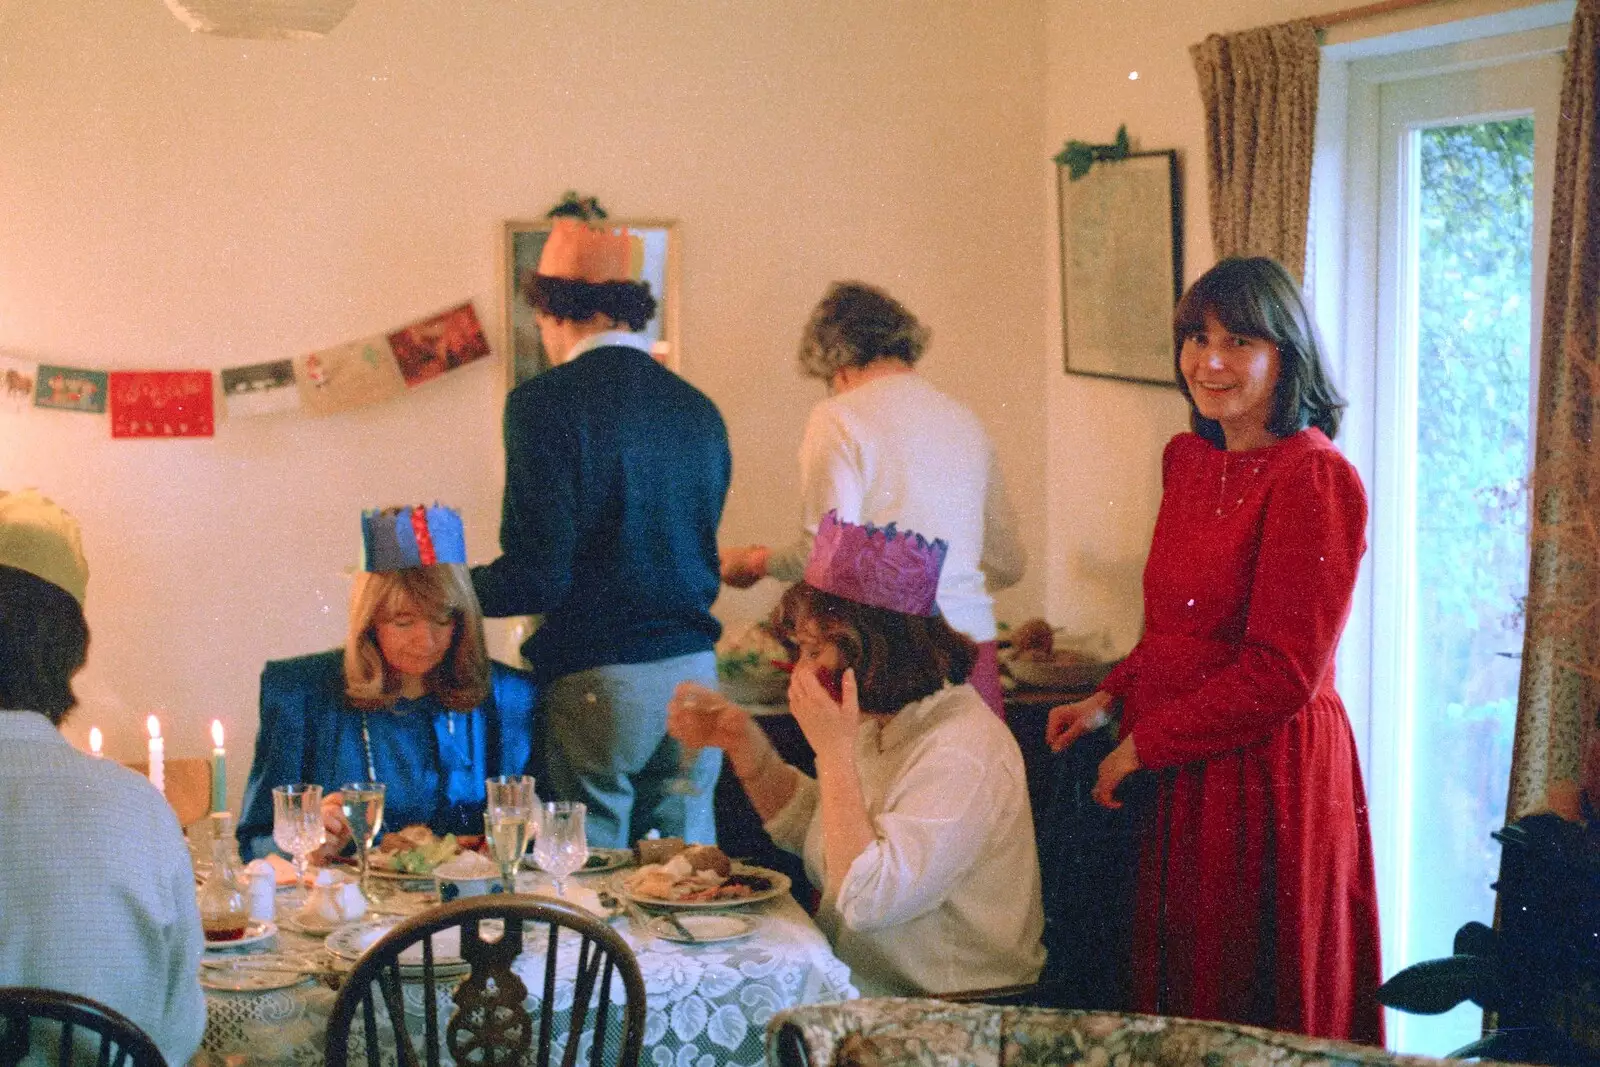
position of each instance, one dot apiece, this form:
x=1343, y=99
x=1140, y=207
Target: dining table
x=707, y=1002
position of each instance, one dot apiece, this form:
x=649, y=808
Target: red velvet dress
x=1256, y=900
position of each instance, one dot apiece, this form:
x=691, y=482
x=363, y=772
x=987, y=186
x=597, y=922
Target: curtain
x=1259, y=88
x=1560, y=691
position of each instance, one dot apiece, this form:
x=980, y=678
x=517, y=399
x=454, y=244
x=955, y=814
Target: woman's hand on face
x=1122, y=761
x=1068, y=722
x=830, y=725
x=703, y=718
x=338, y=830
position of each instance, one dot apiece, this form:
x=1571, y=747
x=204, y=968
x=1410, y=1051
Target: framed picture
x=1121, y=267
x=525, y=355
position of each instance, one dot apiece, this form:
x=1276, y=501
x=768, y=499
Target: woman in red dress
x=1256, y=901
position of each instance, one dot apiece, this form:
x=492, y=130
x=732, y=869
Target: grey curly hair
x=856, y=324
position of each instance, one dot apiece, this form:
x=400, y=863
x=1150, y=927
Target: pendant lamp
x=266, y=20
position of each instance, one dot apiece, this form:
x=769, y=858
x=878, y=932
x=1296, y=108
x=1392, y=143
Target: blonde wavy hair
x=460, y=681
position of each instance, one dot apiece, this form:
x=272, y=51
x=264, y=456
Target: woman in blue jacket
x=412, y=700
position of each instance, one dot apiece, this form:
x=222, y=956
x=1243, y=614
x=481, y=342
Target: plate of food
x=753, y=667
x=701, y=876
x=411, y=853
x=256, y=930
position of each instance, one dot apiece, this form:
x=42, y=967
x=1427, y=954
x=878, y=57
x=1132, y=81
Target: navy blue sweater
x=616, y=474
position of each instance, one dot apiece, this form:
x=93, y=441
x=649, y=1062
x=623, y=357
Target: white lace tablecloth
x=706, y=1005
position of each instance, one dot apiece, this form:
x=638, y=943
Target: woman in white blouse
x=917, y=825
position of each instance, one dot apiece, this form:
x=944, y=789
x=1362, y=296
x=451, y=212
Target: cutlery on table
x=677, y=924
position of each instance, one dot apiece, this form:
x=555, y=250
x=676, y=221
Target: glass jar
x=224, y=908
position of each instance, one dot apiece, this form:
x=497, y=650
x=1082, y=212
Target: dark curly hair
x=629, y=303
x=898, y=658
x=1256, y=297
x=44, y=640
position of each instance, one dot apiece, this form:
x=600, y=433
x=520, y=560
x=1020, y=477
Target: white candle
x=95, y=741
x=158, y=750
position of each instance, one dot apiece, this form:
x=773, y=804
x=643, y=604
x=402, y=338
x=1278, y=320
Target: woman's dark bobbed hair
x=1256, y=297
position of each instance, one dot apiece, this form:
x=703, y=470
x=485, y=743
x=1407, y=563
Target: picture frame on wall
x=524, y=241
x=1121, y=267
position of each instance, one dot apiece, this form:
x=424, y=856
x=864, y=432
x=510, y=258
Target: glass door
x=1462, y=194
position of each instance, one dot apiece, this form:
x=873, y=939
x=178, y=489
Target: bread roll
x=657, y=850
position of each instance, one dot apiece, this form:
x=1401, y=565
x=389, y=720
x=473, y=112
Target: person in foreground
x=616, y=474
x=1256, y=901
x=917, y=825
x=412, y=700
x=886, y=446
x=96, y=887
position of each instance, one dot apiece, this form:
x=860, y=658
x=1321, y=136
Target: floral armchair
x=894, y=1032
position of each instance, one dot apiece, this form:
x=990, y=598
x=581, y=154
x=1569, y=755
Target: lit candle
x=219, y=769
x=158, y=755
x=95, y=741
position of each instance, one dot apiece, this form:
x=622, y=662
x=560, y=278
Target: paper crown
x=582, y=253
x=393, y=539
x=882, y=568
x=39, y=537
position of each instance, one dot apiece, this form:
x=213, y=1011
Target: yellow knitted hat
x=39, y=537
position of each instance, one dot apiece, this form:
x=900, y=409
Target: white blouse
x=947, y=897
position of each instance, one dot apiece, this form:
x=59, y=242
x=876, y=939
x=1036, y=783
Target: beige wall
x=175, y=201
x=1105, y=438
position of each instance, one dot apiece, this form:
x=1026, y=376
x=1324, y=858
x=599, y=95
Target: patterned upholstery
x=893, y=1032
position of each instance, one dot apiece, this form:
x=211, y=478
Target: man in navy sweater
x=616, y=474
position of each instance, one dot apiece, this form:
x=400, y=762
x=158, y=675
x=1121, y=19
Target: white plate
x=780, y=885
x=350, y=941
x=600, y=859
x=249, y=979
x=313, y=927
x=257, y=930
x=706, y=927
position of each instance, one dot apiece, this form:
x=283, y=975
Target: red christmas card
x=161, y=403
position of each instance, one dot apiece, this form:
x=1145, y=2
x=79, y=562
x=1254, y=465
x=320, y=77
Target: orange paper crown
x=581, y=253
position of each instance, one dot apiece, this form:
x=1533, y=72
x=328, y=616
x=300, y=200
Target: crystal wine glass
x=562, y=846
x=297, y=822
x=508, y=821
x=362, y=805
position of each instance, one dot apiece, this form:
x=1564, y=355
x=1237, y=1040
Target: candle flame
x=95, y=740
x=154, y=727
x=216, y=732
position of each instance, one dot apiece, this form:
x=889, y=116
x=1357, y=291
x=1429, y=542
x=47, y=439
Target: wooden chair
x=494, y=1020
x=76, y=1023
x=187, y=785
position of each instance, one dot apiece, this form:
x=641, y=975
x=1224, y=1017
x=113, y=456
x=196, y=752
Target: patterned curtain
x=1259, y=88
x=1560, y=694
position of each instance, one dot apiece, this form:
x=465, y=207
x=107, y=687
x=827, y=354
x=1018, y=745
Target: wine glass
x=562, y=846
x=508, y=817
x=699, y=702
x=297, y=822
x=362, y=805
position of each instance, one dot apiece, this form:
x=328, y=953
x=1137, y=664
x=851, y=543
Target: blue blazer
x=432, y=759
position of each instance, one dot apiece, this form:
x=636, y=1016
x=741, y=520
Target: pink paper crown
x=882, y=568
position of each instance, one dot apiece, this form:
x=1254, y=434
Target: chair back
x=397, y=986
x=74, y=1029
x=186, y=785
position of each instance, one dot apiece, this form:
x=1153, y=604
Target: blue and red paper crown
x=393, y=539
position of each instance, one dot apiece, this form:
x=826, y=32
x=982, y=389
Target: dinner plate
x=704, y=927
x=256, y=930
x=319, y=928
x=350, y=941
x=600, y=859
x=249, y=979
x=780, y=885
